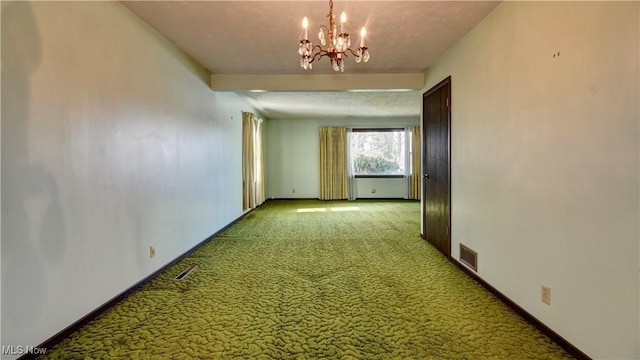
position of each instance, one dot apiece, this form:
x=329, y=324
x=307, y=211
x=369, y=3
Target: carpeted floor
x=313, y=280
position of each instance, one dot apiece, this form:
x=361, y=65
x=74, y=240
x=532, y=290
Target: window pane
x=378, y=152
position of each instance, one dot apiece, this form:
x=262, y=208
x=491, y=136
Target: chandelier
x=339, y=43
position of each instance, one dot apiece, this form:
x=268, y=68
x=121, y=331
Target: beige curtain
x=333, y=163
x=416, y=172
x=259, y=163
x=252, y=162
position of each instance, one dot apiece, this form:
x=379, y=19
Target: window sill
x=379, y=176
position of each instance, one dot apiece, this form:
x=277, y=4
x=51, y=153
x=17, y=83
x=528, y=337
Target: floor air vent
x=469, y=257
x=185, y=272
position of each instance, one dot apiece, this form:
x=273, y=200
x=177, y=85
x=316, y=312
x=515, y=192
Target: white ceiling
x=261, y=37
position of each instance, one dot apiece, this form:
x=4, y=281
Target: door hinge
x=447, y=231
x=447, y=102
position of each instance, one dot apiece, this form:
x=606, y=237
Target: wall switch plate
x=152, y=251
x=546, y=294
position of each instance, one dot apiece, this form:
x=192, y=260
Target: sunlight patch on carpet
x=334, y=209
x=312, y=210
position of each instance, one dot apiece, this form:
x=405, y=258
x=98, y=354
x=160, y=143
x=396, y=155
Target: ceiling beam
x=317, y=82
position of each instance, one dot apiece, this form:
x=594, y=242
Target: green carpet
x=303, y=280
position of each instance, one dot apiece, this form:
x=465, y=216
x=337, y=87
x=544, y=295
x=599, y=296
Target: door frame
x=446, y=81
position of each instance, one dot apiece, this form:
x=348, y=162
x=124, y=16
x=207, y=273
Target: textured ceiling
x=261, y=37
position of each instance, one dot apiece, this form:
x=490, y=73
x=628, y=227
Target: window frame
x=389, y=129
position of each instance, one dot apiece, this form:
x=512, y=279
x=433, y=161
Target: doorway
x=436, y=165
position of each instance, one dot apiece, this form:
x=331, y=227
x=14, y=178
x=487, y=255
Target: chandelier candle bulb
x=305, y=25
x=363, y=33
x=343, y=20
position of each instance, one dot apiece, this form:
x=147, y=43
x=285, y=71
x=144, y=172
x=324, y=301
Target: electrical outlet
x=546, y=294
x=293, y=191
x=152, y=251
x=373, y=191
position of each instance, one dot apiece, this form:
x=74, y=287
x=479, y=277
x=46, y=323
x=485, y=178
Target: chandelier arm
x=351, y=51
x=318, y=55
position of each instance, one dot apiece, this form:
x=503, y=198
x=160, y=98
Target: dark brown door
x=436, y=164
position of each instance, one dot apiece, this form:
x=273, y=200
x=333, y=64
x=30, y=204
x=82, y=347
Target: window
x=378, y=152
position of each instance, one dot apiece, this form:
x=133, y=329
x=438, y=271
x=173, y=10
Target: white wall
x=293, y=156
x=112, y=142
x=381, y=188
x=545, y=163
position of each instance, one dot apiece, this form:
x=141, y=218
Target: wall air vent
x=185, y=272
x=469, y=257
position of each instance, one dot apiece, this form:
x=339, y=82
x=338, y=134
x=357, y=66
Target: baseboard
x=368, y=199
x=276, y=199
x=381, y=198
x=562, y=342
x=57, y=338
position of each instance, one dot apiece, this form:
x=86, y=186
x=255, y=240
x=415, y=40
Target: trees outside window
x=378, y=152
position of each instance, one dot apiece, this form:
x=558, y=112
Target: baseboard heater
x=186, y=272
